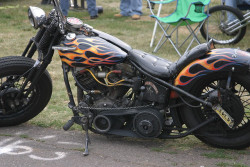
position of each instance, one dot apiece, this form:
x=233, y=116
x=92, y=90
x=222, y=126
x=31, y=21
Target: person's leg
x=136, y=6
x=91, y=4
x=232, y=3
x=125, y=7
x=64, y=4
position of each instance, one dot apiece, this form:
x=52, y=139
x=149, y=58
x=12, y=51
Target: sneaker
x=93, y=17
x=119, y=15
x=136, y=17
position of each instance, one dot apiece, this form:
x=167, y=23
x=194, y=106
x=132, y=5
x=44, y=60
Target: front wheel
x=13, y=73
x=219, y=22
x=235, y=100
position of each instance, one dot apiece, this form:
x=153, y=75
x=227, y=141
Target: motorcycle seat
x=154, y=65
x=163, y=68
x=195, y=53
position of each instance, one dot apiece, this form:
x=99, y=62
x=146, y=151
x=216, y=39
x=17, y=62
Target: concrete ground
x=31, y=146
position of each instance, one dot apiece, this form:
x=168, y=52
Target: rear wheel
x=219, y=23
x=236, y=101
x=13, y=73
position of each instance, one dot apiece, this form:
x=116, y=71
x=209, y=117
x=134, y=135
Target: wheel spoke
x=10, y=90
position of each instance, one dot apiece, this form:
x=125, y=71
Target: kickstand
x=85, y=127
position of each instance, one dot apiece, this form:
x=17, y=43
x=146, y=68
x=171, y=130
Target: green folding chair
x=187, y=12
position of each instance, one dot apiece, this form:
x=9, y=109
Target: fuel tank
x=90, y=52
x=217, y=60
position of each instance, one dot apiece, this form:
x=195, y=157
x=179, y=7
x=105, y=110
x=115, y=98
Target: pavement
x=31, y=146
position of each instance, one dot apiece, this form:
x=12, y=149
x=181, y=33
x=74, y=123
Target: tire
x=11, y=68
x=235, y=102
x=216, y=26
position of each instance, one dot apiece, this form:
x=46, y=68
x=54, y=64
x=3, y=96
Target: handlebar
x=62, y=20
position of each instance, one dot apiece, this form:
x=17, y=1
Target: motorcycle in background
x=226, y=24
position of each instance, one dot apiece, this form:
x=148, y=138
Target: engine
x=119, y=97
x=100, y=78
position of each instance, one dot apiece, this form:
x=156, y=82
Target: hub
x=8, y=102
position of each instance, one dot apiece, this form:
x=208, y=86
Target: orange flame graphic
x=200, y=67
x=89, y=52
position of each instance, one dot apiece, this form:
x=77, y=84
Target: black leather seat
x=163, y=68
x=154, y=65
x=195, y=53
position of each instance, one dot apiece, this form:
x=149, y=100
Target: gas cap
x=71, y=36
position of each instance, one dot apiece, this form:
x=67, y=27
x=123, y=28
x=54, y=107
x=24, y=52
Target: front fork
x=38, y=69
x=41, y=64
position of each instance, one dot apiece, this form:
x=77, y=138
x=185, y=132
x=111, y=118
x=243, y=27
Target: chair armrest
x=198, y=5
x=162, y=2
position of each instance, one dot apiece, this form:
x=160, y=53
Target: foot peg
x=74, y=119
x=68, y=125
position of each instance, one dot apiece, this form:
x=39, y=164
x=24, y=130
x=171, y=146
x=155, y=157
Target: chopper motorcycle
x=126, y=92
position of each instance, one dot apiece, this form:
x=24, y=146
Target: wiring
x=109, y=83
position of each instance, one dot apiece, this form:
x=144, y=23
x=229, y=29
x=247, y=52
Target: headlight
x=36, y=16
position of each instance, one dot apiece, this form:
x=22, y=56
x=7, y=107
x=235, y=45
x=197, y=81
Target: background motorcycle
x=223, y=30
x=127, y=92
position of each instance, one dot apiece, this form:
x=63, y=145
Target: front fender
x=217, y=60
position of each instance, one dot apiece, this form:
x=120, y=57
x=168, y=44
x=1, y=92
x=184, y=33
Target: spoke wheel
x=235, y=100
x=219, y=25
x=14, y=72
x=10, y=105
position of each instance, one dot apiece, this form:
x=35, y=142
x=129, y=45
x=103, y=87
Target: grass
x=24, y=136
x=220, y=153
x=6, y=135
x=79, y=149
x=226, y=164
x=222, y=164
x=16, y=32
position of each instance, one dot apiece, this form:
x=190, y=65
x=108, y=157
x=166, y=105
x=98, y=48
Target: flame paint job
x=215, y=60
x=91, y=52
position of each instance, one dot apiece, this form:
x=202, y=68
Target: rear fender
x=217, y=60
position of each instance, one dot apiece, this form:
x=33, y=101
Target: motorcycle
x=224, y=30
x=122, y=91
